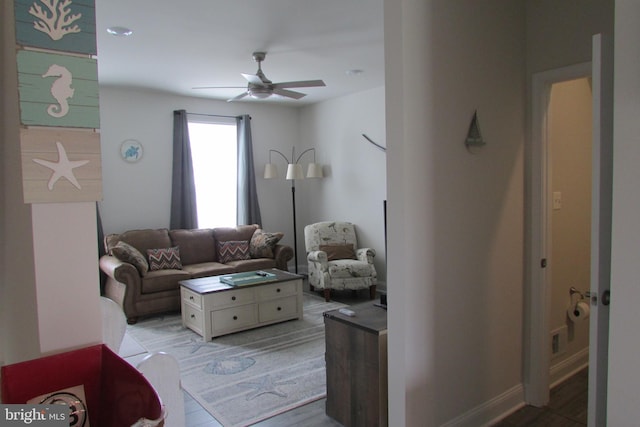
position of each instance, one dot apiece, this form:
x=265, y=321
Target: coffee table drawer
x=277, y=290
x=283, y=308
x=192, y=298
x=231, y=319
x=234, y=297
x=192, y=318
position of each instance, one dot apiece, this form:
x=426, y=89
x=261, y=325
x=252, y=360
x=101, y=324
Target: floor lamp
x=294, y=171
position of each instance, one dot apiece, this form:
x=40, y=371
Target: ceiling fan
x=260, y=87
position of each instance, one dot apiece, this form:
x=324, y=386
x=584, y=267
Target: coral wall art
x=63, y=25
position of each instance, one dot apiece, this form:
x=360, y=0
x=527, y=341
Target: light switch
x=557, y=200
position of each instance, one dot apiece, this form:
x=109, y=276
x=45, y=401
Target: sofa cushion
x=262, y=243
x=142, y=240
x=335, y=252
x=127, y=253
x=233, y=250
x=164, y=259
x=208, y=269
x=163, y=280
x=196, y=246
x=241, y=232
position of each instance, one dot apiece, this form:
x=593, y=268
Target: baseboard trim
x=568, y=367
x=491, y=411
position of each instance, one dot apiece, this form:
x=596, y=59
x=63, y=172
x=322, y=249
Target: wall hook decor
x=474, y=138
x=374, y=143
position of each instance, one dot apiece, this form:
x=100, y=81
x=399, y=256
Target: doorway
x=541, y=289
x=569, y=139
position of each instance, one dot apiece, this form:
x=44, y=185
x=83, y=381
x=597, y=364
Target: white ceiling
x=178, y=45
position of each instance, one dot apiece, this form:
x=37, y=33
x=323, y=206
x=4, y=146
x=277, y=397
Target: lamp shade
x=314, y=170
x=294, y=171
x=270, y=171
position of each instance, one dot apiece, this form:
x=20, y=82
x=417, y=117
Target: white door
x=602, y=75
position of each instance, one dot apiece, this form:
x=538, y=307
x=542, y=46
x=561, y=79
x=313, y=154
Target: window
x=214, y=152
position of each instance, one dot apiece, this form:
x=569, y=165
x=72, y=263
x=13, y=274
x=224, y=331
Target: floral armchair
x=335, y=261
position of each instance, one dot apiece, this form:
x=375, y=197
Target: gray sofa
x=145, y=283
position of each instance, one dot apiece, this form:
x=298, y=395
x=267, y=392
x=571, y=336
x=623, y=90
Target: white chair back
x=163, y=372
x=114, y=324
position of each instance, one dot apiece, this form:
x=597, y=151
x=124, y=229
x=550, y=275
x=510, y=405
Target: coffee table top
x=209, y=284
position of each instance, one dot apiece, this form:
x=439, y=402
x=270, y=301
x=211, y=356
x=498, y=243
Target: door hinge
x=543, y=263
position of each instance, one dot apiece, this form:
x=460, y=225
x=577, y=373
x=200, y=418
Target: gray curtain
x=248, y=211
x=183, y=190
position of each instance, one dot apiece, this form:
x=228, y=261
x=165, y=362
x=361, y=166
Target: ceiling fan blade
x=237, y=98
x=253, y=79
x=288, y=93
x=219, y=87
x=302, y=83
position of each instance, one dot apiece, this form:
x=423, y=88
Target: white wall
x=354, y=186
x=624, y=375
x=138, y=195
x=455, y=262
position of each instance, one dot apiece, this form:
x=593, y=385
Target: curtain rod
x=215, y=115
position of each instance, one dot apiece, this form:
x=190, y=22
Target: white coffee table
x=212, y=308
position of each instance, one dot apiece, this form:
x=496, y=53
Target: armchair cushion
x=127, y=253
x=335, y=252
x=345, y=269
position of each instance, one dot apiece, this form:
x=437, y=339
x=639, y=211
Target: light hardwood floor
x=567, y=408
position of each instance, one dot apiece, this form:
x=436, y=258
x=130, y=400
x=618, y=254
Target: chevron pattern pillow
x=164, y=259
x=233, y=250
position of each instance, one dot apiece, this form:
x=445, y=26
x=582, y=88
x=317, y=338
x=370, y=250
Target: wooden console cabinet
x=356, y=359
x=212, y=308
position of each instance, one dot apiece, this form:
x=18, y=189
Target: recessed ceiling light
x=354, y=72
x=119, y=31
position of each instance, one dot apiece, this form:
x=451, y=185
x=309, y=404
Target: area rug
x=249, y=376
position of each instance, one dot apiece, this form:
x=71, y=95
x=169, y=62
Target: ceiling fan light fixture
x=259, y=92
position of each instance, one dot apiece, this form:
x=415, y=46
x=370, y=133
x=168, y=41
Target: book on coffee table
x=248, y=278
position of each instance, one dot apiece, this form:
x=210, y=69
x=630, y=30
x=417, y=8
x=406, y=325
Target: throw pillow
x=164, y=259
x=262, y=244
x=127, y=253
x=335, y=252
x=233, y=250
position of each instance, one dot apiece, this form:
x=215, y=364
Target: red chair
x=116, y=393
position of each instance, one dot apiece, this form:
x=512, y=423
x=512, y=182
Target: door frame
x=537, y=295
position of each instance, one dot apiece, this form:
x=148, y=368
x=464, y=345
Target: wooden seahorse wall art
x=60, y=89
